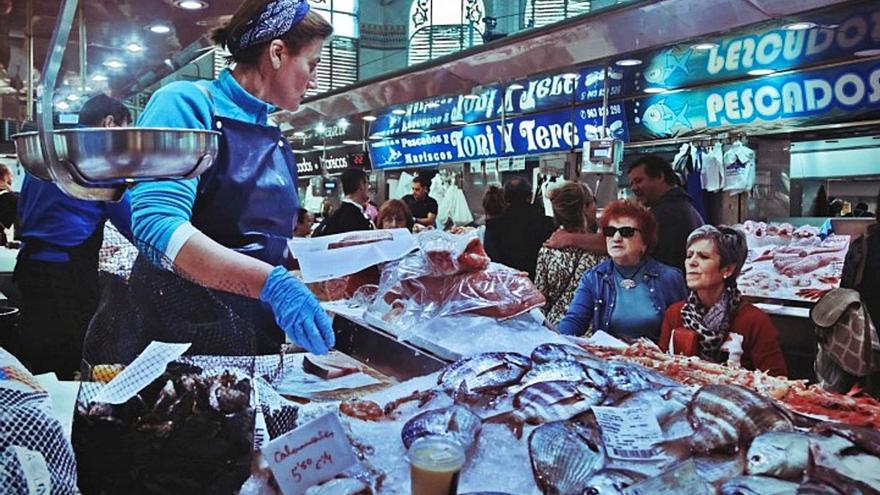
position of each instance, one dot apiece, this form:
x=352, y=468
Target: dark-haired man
x=423, y=207
x=351, y=214
x=652, y=180
x=515, y=237
x=57, y=267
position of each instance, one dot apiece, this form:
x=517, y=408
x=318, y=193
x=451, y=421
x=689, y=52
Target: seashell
x=726, y=415
x=562, y=460
x=456, y=421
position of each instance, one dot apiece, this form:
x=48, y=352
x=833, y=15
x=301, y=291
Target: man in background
x=423, y=207
x=351, y=214
x=8, y=203
x=57, y=267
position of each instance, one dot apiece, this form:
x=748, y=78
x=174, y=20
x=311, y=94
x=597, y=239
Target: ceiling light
x=655, y=90
x=459, y=122
x=73, y=97
x=376, y=137
x=114, y=64
x=800, y=26
x=629, y=62
x=160, y=29
x=320, y=128
x=398, y=111
x=62, y=105
x=368, y=118
x=569, y=76
x=99, y=77
x=867, y=53
x=342, y=124
x=190, y=4
x=761, y=72
x=299, y=134
x=516, y=86
x=134, y=47
x=352, y=141
x=471, y=96
x=416, y=130
x=432, y=104
x=705, y=46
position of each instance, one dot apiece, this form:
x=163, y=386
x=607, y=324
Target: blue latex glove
x=297, y=312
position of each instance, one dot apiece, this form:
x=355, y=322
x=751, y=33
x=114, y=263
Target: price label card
x=503, y=164
x=518, y=163
x=629, y=432
x=491, y=166
x=310, y=454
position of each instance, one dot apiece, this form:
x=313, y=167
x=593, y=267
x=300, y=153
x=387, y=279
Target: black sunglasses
x=627, y=232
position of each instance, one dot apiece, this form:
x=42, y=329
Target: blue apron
x=247, y=201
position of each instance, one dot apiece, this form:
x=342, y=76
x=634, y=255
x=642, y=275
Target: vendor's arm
x=427, y=221
x=594, y=243
x=580, y=313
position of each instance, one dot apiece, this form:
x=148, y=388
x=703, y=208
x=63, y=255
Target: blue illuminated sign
x=829, y=95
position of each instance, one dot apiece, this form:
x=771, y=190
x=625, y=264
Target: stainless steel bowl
x=99, y=163
x=30, y=154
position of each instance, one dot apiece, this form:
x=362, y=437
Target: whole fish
x=758, y=485
x=628, y=378
x=866, y=439
x=562, y=459
x=545, y=353
x=611, y=482
x=716, y=469
x=572, y=371
x=549, y=401
x=457, y=422
x=817, y=488
x=724, y=416
x=839, y=462
x=781, y=454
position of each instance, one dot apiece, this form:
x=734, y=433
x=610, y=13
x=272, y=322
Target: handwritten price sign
x=309, y=455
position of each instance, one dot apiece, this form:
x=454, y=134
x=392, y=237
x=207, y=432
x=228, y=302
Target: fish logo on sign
x=665, y=64
x=660, y=118
x=393, y=155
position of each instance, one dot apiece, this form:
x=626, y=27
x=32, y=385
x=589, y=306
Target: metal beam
x=602, y=36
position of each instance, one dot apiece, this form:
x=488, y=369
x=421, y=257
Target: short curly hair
x=647, y=224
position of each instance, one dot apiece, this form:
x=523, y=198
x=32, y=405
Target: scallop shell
x=562, y=460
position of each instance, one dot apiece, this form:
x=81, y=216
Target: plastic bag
x=449, y=275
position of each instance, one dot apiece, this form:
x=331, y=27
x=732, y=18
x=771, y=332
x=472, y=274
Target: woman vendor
x=228, y=229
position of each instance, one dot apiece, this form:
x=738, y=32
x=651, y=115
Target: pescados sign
x=835, y=94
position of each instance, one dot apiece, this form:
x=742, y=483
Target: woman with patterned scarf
x=714, y=308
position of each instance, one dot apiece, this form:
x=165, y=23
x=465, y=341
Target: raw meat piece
x=327, y=367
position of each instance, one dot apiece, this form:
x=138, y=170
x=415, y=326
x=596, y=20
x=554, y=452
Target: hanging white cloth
x=713, y=169
x=739, y=168
x=404, y=186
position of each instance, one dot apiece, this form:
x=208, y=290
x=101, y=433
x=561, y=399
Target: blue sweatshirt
x=162, y=207
x=61, y=221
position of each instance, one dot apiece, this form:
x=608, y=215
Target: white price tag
x=629, y=432
x=503, y=164
x=491, y=166
x=518, y=163
x=145, y=368
x=310, y=454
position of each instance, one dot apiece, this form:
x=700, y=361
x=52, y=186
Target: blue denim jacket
x=593, y=301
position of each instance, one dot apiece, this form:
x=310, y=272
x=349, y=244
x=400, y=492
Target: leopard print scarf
x=712, y=324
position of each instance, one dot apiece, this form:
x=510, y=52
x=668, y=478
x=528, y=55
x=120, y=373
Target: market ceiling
x=578, y=41
x=125, y=39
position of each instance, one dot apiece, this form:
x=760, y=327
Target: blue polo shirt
x=159, y=208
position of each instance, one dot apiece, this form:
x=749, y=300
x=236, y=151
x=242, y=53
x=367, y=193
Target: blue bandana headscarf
x=273, y=20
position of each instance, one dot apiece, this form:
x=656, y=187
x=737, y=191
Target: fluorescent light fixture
x=368, y=118
x=416, y=130
x=299, y=134
x=516, y=86
x=190, y=4
x=398, y=111
x=459, y=122
x=342, y=124
x=352, y=141
x=62, y=105
x=432, y=104
x=800, y=26
x=73, y=97
x=376, y=137
x=320, y=128
x=655, y=90
x=99, y=77
x=114, y=63
x=160, y=28
x=761, y=72
x=568, y=76
x=471, y=96
x=704, y=47
x=873, y=52
x=628, y=62
x=134, y=47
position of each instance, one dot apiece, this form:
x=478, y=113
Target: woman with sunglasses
x=714, y=309
x=627, y=295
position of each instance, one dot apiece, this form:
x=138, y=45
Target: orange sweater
x=760, y=338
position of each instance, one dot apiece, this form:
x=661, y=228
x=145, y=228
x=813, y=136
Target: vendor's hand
x=560, y=239
x=297, y=312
